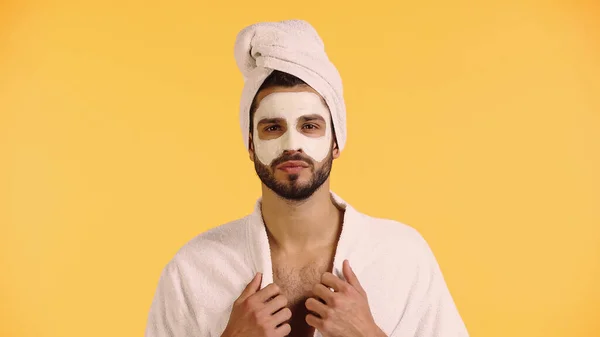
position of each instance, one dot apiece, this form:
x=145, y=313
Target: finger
x=316, y=306
x=267, y=293
x=352, y=278
x=281, y=316
x=283, y=330
x=274, y=305
x=314, y=321
x=323, y=292
x=332, y=281
x=251, y=288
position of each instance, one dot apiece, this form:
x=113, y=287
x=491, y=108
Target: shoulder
x=395, y=234
x=203, y=277
x=227, y=235
x=213, y=264
x=225, y=241
x=216, y=251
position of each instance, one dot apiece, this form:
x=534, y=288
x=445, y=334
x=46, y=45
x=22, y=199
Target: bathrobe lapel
x=260, y=252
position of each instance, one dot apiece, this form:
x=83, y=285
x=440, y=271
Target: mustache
x=296, y=156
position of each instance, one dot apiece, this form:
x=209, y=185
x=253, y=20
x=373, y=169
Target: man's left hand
x=346, y=311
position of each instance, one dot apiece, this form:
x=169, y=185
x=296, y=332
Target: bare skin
x=297, y=226
x=303, y=236
x=296, y=274
x=259, y=313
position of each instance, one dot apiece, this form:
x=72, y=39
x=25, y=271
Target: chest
x=296, y=280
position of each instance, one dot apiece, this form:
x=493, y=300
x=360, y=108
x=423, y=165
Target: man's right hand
x=259, y=313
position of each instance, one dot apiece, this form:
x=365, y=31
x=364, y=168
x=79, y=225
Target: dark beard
x=292, y=190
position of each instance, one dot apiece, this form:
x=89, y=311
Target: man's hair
x=279, y=79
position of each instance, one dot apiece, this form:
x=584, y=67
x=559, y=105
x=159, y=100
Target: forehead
x=297, y=88
x=290, y=103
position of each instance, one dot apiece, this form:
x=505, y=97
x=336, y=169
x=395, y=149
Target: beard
x=292, y=189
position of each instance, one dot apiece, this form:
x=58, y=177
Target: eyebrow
x=305, y=118
x=270, y=120
x=312, y=118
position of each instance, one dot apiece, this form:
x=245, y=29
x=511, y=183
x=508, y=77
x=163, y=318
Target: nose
x=291, y=142
x=289, y=153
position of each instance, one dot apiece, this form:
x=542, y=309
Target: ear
x=336, y=150
x=250, y=148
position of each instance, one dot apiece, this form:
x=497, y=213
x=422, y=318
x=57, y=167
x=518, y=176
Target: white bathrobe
x=407, y=293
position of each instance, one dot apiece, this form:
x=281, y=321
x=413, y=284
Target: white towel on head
x=293, y=47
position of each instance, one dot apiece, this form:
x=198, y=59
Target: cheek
x=317, y=148
x=268, y=150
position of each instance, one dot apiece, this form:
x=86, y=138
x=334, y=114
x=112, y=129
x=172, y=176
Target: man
x=305, y=262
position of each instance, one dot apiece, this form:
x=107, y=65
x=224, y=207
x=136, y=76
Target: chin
x=292, y=181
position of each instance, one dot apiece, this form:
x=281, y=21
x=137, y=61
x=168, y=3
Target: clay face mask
x=290, y=107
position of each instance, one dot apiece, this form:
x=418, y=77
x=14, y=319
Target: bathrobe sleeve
x=431, y=311
x=170, y=312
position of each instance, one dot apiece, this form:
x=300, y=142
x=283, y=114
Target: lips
x=292, y=164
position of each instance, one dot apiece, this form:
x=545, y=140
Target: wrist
x=377, y=332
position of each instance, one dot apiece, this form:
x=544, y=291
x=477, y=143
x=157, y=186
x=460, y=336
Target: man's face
x=292, y=141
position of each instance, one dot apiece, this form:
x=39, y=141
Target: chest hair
x=296, y=281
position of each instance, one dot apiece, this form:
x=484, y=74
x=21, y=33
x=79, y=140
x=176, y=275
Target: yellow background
x=478, y=123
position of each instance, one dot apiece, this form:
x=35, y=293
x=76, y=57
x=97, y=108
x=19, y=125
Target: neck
x=297, y=226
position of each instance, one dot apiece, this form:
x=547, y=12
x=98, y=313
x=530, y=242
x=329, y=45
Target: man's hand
x=259, y=313
x=345, y=311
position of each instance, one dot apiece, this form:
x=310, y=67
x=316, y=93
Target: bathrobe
x=406, y=290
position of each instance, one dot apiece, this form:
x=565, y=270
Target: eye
x=310, y=126
x=272, y=128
